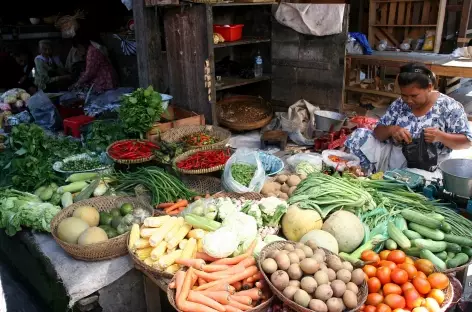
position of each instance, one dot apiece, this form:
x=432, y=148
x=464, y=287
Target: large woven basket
x=241, y=196
x=177, y=134
x=129, y=161
x=263, y=307
x=203, y=184
x=458, y=269
x=198, y=171
x=236, y=112
x=361, y=295
x=109, y=249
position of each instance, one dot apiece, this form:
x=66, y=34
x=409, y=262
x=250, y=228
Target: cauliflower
x=269, y=205
x=243, y=225
x=225, y=207
x=220, y=243
x=255, y=212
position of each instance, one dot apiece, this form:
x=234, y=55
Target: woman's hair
x=416, y=73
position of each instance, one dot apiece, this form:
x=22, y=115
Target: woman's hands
x=432, y=135
x=400, y=134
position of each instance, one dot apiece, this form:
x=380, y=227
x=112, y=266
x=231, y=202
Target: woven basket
x=109, y=249
x=239, y=121
x=177, y=134
x=263, y=307
x=203, y=184
x=129, y=161
x=361, y=295
x=241, y=196
x=198, y=171
x=458, y=269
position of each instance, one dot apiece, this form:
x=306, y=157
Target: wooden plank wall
x=308, y=67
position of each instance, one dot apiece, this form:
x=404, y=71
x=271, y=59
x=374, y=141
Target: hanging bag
x=421, y=155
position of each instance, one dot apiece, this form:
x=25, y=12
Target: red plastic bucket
x=229, y=32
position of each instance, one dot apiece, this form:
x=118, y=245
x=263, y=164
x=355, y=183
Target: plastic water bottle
x=258, y=65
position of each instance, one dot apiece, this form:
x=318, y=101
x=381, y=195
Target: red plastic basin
x=229, y=32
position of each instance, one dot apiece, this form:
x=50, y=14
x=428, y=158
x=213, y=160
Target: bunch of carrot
x=174, y=208
x=228, y=284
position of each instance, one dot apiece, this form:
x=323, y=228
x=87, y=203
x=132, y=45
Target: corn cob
x=143, y=253
x=158, y=251
x=183, y=231
x=133, y=236
x=159, y=235
x=156, y=221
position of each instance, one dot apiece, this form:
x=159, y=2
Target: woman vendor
x=50, y=75
x=421, y=113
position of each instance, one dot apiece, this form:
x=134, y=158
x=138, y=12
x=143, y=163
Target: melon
x=297, y=222
x=92, y=235
x=89, y=214
x=70, y=229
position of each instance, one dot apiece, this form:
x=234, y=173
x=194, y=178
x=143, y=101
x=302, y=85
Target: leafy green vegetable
x=101, y=133
x=81, y=164
x=243, y=173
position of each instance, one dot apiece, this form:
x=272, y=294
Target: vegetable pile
x=82, y=164
x=204, y=160
x=168, y=151
x=101, y=133
x=243, y=173
x=199, y=139
x=132, y=149
x=283, y=186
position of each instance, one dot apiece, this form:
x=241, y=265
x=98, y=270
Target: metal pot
x=329, y=121
x=457, y=176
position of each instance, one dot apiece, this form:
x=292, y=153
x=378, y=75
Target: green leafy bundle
x=140, y=110
x=102, y=133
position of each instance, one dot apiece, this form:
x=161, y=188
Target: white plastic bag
x=247, y=157
x=349, y=160
x=313, y=158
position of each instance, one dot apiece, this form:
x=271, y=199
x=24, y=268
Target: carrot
x=198, y=297
x=257, y=277
x=189, y=306
x=253, y=293
x=181, y=203
x=172, y=285
x=251, y=248
x=259, y=285
x=250, y=279
x=232, y=290
x=182, y=208
x=220, y=296
x=201, y=281
x=179, y=280
x=247, y=285
x=209, y=276
x=232, y=270
x=242, y=299
x=210, y=268
x=237, y=285
x=164, y=205
x=186, y=286
x=204, y=256
x=195, y=263
x=219, y=287
x=232, y=309
x=230, y=261
x=248, y=262
x=239, y=305
x=173, y=213
x=232, y=279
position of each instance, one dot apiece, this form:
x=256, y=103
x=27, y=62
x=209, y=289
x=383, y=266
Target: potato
x=334, y=263
x=321, y=278
x=276, y=186
x=269, y=265
x=339, y=287
x=272, y=254
x=290, y=291
x=291, y=190
x=283, y=196
x=279, y=279
x=308, y=251
x=299, y=245
x=294, y=283
x=319, y=258
x=323, y=292
x=312, y=244
x=284, y=188
x=357, y=276
x=293, y=257
x=283, y=262
x=348, y=266
x=295, y=272
x=352, y=287
x=282, y=178
x=289, y=247
x=300, y=253
x=270, y=188
x=293, y=180
x=344, y=275
x=331, y=275
x=323, y=266
x=350, y=299
x=308, y=284
x=320, y=252
x=309, y=266
x=335, y=305
x=317, y=305
x=271, y=195
x=285, y=251
x=302, y=298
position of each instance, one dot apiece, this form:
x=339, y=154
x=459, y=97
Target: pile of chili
x=132, y=149
x=204, y=160
x=199, y=139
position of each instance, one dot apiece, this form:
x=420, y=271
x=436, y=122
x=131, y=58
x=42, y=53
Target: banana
x=220, y=37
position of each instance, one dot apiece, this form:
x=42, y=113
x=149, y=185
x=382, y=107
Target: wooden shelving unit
x=234, y=82
x=243, y=41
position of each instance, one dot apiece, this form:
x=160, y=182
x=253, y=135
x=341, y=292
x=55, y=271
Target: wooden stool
x=274, y=137
x=73, y=124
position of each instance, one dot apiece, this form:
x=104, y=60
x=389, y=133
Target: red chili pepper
x=205, y=159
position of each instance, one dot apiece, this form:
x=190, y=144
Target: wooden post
x=148, y=41
x=464, y=23
x=440, y=25
x=372, y=21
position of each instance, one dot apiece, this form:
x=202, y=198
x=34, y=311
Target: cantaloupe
x=297, y=222
x=92, y=235
x=322, y=239
x=347, y=228
x=70, y=229
x=87, y=213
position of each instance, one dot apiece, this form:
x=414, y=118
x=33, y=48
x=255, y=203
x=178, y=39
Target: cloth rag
x=81, y=278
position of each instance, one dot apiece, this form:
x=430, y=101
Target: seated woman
x=419, y=112
x=50, y=75
x=98, y=69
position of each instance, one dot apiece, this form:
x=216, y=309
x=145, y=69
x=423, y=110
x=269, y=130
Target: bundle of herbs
x=101, y=133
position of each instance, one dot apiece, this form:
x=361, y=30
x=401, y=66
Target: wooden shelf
x=393, y=25
x=233, y=82
x=241, y=3
x=370, y=91
x=241, y=42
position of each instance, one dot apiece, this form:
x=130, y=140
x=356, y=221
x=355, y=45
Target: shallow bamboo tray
x=129, y=161
x=177, y=134
x=240, y=119
x=198, y=171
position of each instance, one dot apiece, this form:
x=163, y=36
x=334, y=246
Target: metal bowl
x=457, y=176
x=329, y=121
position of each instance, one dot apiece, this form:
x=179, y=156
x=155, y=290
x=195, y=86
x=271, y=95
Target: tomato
x=370, y=308
x=413, y=298
x=437, y=295
x=389, y=264
x=391, y=288
x=383, y=274
x=370, y=256
x=409, y=260
x=383, y=308
x=432, y=305
x=400, y=310
x=421, y=274
x=374, y=299
x=384, y=254
x=420, y=309
x=406, y=286
x=410, y=269
x=424, y=266
x=397, y=256
x=395, y=301
x=438, y=280
x=374, y=285
x=421, y=285
x=369, y=270
x=362, y=308
x=399, y=276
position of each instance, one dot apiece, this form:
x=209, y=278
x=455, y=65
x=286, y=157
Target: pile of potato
x=312, y=279
x=283, y=186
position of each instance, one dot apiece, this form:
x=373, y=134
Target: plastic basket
x=229, y=32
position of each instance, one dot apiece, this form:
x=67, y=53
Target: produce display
x=396, y=281
x=168, y=151
x=131, y=149
x=14, y=99
x=243, y=173
x=82, y=164
x=204, y=160
x=101, y=133
x=199, y=139
x=283, y=186
x=312, y=278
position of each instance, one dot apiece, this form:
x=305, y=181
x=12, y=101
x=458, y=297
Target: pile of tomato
x=397, y=283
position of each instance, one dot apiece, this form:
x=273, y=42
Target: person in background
x=98, y=69
x=25, y=62
x=50, y=74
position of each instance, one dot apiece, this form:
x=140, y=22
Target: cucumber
x=433, y=246
x=441, y=255
x=460, y=259
x=463, y=241
x=437, y=216
x=420, y=218
x=427, y=254
x=390, y=244
x=412, y=234
x=398, y=236
x=467, y=251
x=445, y=227
x=426, y=232
x=87, y=192
x=400, y=223
x=453, y=247
x=450, y=255
x=413, y=251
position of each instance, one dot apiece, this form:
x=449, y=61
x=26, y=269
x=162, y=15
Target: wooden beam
x=148, y=41
x=440, y=25
x=464, y=22
x=372, y=21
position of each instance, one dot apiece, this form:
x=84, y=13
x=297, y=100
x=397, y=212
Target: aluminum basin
x=329, y=121
x=457, y=176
